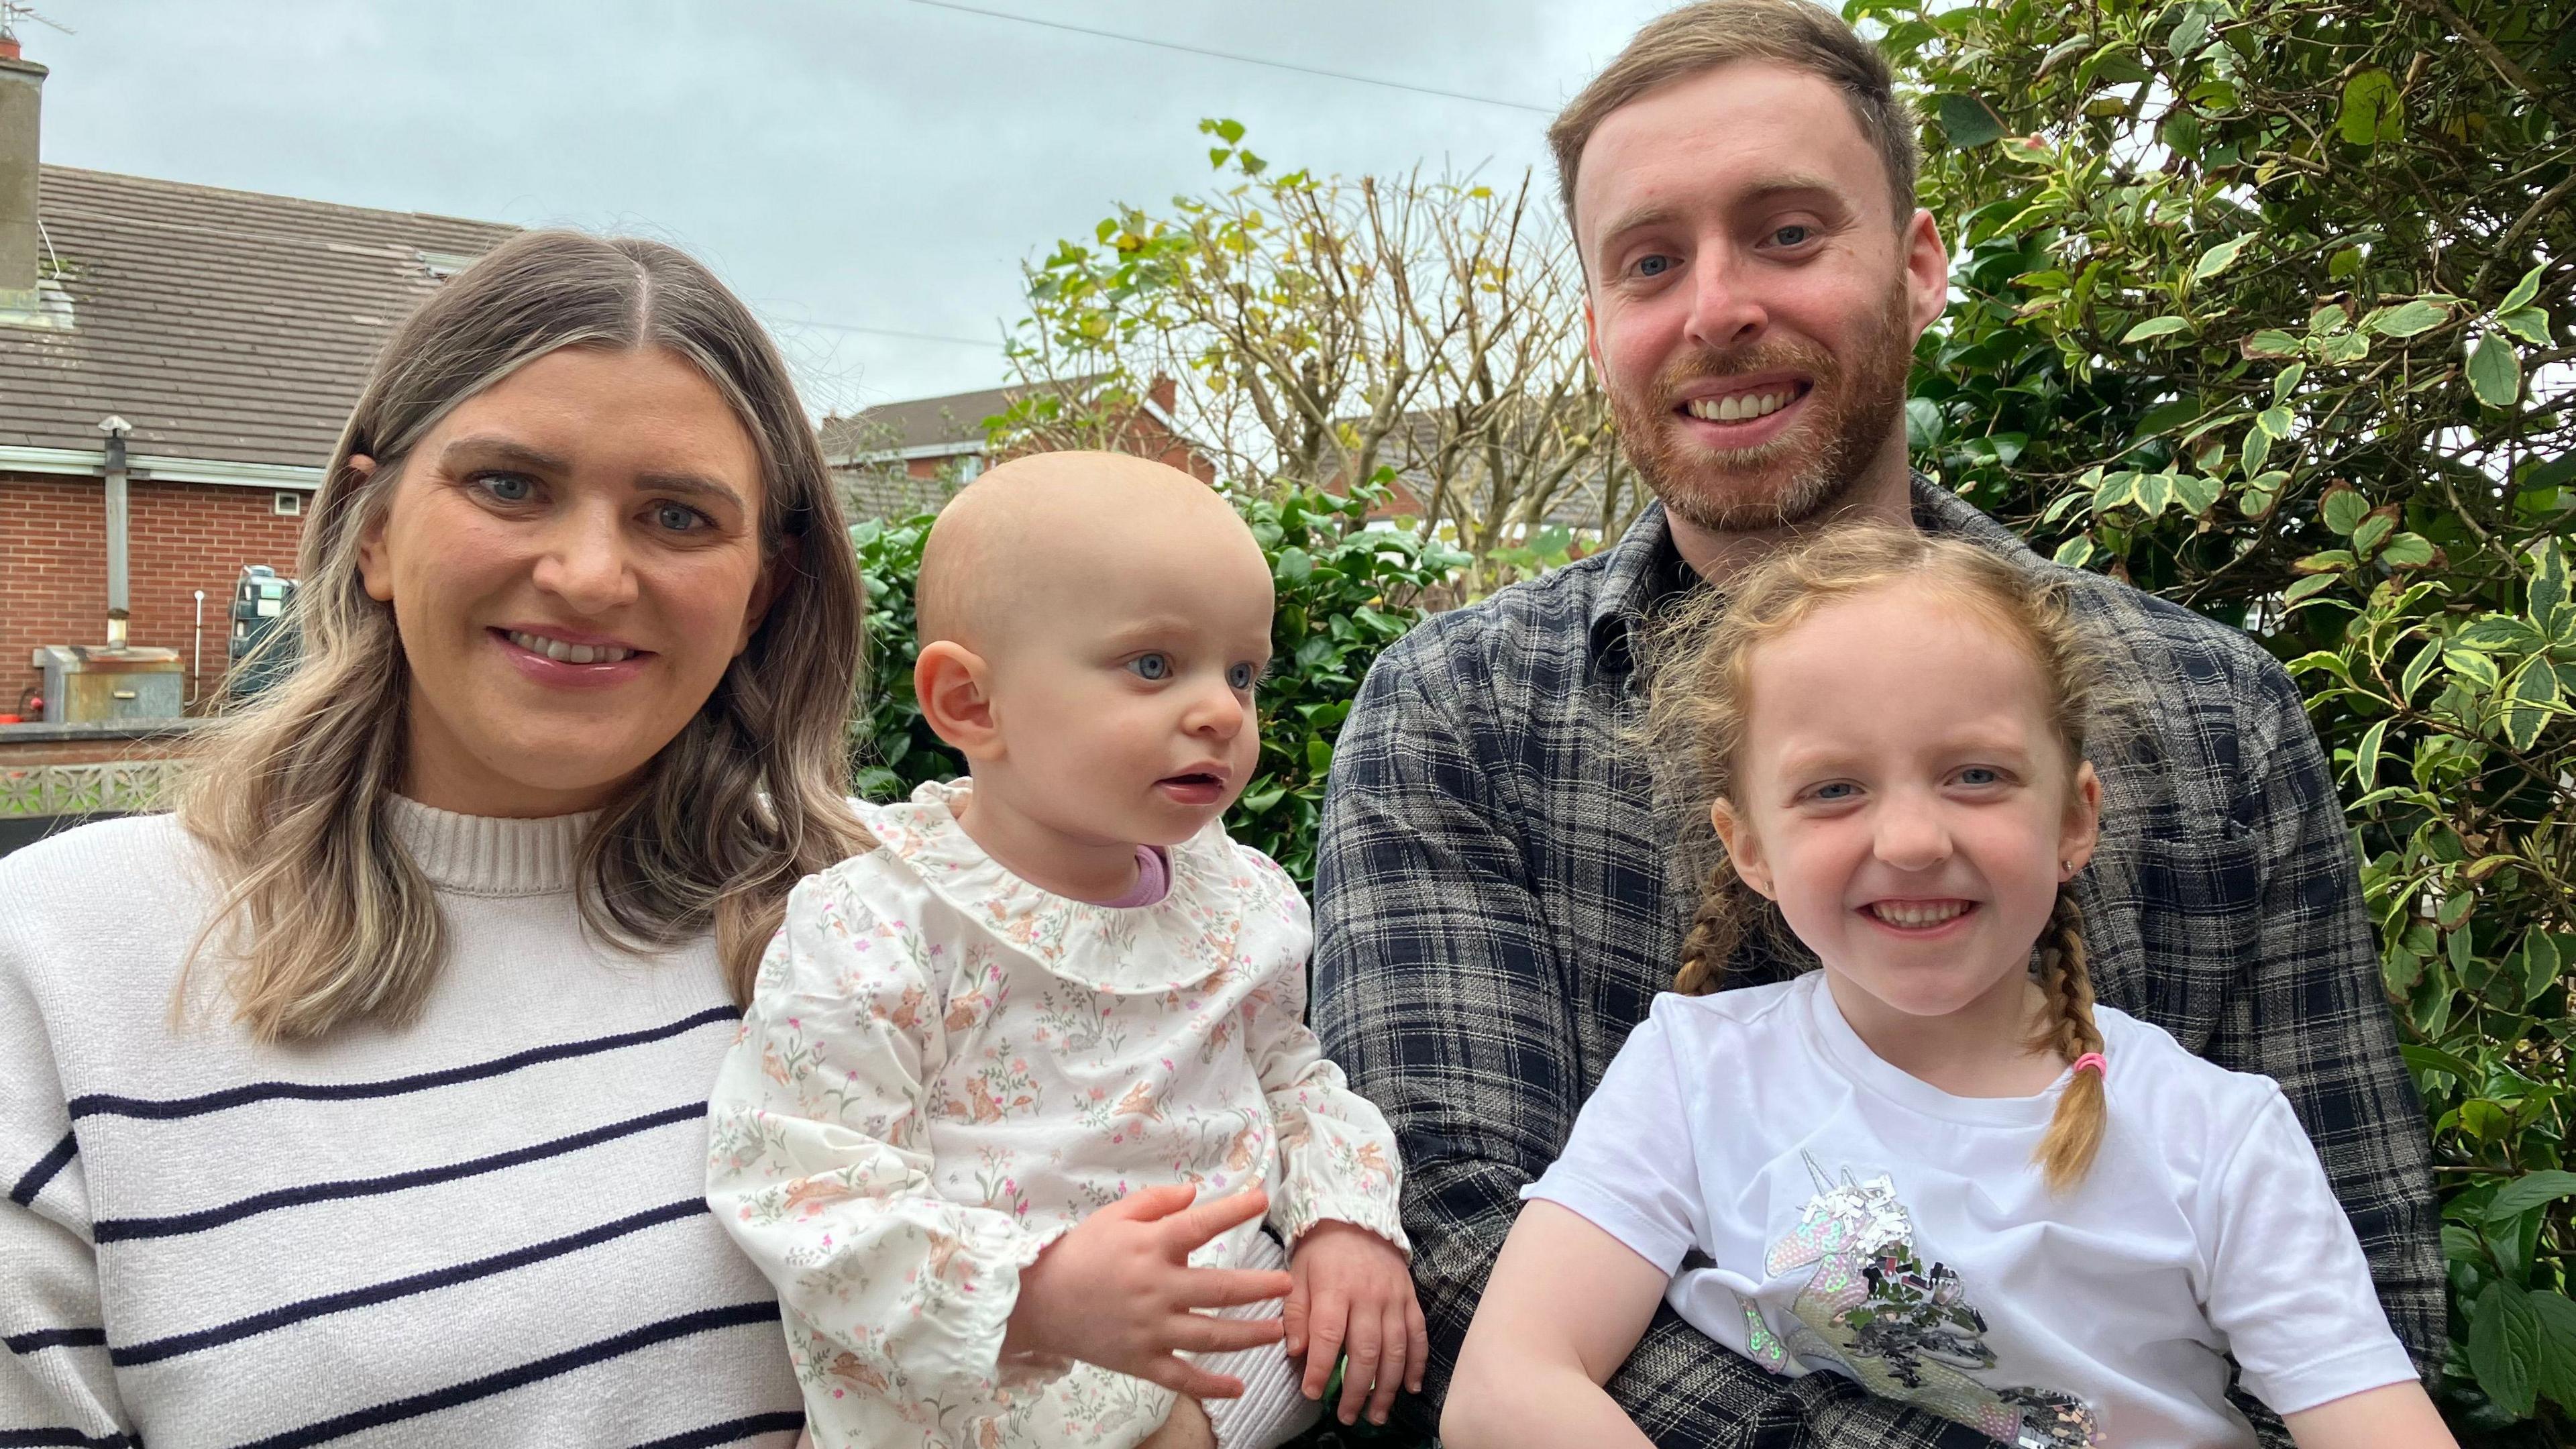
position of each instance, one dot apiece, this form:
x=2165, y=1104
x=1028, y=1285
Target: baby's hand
x=1354, y=1292
x=1117, y=1291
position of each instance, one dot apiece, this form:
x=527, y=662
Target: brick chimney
x=22, y=85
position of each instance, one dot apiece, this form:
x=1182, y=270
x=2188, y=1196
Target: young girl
x=988, y=1065
x=1935, y=1165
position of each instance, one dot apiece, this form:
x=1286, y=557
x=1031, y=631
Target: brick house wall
x=183, y=537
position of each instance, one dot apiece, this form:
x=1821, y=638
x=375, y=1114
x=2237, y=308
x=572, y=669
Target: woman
x=364, y=1098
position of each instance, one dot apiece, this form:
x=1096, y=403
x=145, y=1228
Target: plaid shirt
x=1501, y=892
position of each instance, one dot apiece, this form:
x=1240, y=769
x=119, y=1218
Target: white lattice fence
x=120, y=787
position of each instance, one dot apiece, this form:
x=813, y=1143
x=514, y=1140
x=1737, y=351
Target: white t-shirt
x=1857, y=1219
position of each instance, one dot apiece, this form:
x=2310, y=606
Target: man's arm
x=1436, y=986
x=2311, y=1013
x=1439, y=990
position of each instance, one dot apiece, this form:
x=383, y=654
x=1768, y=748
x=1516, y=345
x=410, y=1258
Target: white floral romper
x=944, y=1067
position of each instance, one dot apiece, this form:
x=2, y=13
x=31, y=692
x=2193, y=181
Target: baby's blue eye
x=1243, y=676
x=1155, y=667
x=1836, y=791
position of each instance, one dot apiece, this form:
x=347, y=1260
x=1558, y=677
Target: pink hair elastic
x=2092, y=1061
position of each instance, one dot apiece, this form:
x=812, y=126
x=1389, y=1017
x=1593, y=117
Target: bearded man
x=1501, y=892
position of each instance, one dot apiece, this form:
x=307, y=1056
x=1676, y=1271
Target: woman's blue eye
x=1156, y=667
x=508, y=487
x=1242, y=676
x=677, y=518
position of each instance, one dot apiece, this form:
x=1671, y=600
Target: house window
x=285, y=504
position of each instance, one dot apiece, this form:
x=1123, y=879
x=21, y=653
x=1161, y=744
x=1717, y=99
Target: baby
x=1017, y=1088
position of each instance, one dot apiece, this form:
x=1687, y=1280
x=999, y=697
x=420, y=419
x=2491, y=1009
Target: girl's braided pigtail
x=2075, y=1133
x=1716, y=927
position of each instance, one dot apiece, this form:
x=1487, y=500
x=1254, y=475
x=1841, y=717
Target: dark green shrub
x=2264, y=307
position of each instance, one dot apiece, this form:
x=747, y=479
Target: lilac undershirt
x=1153, y=881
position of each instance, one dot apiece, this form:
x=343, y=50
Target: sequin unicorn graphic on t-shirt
x=1907, y=1332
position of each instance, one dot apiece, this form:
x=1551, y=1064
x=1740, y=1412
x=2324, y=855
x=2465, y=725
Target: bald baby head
x=1040, y=535
x=1094, y=628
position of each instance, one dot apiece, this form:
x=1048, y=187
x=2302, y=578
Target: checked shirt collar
x=1644, y=571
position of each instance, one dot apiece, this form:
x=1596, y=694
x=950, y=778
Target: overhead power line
x=991, y=342
x=1240, y=59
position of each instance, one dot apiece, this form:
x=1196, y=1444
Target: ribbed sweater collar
x=485, y=856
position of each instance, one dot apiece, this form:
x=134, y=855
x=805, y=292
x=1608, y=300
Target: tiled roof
x=890, y=492
x=1576, y=505
x=955, y=421
x=222, y=324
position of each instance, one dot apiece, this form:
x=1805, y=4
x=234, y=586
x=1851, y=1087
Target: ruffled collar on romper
x=1180, y=943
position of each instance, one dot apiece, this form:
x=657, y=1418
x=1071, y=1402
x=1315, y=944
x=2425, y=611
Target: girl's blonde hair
x=327, y=918
x=1696, y=721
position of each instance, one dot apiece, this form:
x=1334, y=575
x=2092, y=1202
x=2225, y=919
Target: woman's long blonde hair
x=326, y=919
x=1701, y=698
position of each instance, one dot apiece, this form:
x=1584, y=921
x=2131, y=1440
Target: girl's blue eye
x=1242, y=676
x=1979, y=775
x=1834, y=791
x=508, y=487
x=1155, y=667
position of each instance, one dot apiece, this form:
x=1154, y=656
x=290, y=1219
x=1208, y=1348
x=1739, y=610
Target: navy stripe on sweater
x=43, y=1172
x=116, y=1230
x=45, y=1338
x=102, y=1104
x=731, y=1431
x=706, y=1320
x=154, y=1350
x=15, y=1438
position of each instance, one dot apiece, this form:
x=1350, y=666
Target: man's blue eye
x=1156, y=667
x=1653, y=266
x=1243, y=676
x=1789, y=236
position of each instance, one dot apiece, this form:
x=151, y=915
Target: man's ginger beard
x=1796, y=476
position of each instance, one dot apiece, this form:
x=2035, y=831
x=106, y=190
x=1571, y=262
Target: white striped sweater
x=486, y=1228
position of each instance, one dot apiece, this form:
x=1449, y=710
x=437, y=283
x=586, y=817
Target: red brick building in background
x=902, y=458
x=230, y=331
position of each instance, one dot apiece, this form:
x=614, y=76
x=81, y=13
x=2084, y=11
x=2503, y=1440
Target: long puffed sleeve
x=896, y=1297
x=1337, y=1156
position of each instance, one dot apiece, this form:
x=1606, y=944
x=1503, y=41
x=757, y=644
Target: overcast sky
x=844, y=164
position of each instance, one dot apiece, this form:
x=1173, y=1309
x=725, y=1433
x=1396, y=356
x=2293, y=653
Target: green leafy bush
x=2264, y=307
x=1345, y=591
x=892, y=748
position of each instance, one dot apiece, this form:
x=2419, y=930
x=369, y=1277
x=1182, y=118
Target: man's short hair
x=1710, y=33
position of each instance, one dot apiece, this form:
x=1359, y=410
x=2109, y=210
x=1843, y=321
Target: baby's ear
x=1743, y=847
x=953, y=686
